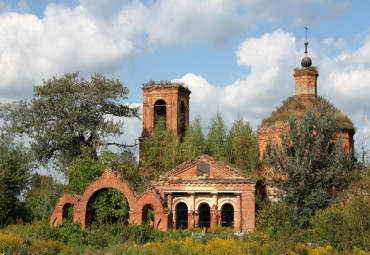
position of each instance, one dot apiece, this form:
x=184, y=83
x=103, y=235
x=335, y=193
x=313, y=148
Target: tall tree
x=309, y=166
x=161, y=150
x=15, y=169
x=42, y=196
x=194, y=141
x=242, y=145
x=69, y=117
x=216, y=138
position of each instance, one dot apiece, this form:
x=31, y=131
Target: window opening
x=227, y=215
x=181, y=216
x=204, y=216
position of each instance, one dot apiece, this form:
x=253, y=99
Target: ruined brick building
x=305, y=97
x=201, y=192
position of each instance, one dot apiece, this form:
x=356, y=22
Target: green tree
x=309, y=168
x=110, y=206
x=15, y=168
x=87, y=170
x=161, y=151
x=242, y=145
x=216, y=138
x=69, y=117
x=343, y=226
x=42, y=196
x=194, y=141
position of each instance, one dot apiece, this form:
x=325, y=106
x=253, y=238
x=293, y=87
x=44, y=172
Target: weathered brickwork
x=306, y=82
x=306, y=92
x=223, y=186
x=173, y=99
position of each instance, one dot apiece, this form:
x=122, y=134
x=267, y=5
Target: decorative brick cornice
x=208, y=159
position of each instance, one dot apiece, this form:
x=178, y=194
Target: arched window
x=331, y=148
x=227, y=215
x=181, y=216
x=182, y=121
x=160, y=111
x=204, y=216
x=148, y=215
x=292, y=151
x=68, y=212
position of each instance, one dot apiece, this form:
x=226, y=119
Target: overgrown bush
x=343, y=227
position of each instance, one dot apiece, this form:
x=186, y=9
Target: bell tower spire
x=306, y=76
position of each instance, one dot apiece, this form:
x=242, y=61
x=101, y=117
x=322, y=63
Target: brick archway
x=160, y=216
x=59, y=214
x=109, y=180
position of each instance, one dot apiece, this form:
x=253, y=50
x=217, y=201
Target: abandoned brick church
x=201, y=192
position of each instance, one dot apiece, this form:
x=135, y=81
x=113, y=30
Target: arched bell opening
x=148, y=215
x=227, y=215
x=182, y=118
x=204, y=215
x=181, y=216
x=160, y=111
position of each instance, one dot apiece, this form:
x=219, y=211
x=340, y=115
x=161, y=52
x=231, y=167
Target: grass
x=295, y=106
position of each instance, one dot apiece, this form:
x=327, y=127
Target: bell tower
x=166, y=100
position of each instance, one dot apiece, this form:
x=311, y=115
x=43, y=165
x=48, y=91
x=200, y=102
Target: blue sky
x=237, y=56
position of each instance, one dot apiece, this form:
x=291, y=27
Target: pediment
x=204, y=166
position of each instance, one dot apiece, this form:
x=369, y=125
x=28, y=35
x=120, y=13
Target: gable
x=204, y=166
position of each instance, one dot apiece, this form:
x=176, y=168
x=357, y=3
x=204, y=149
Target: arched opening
x=182, y=118
x=181, y=216
x=148, y=215
x=204, y=215
x=160, y=111
x=107, y=206
x=227, y=215
x=292, y=152
x=331, y=148
x=68, y=212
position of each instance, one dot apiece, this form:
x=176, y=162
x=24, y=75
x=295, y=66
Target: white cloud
x=272, y=58
x=177, y=21
x=64, y=40
x=99, y=35
x=362, y=55
x=338, y=44
x=219, y=21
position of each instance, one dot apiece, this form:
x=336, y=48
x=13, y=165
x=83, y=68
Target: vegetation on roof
x=152, y=83
x=296, y=106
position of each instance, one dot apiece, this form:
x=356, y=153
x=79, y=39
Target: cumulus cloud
x=64, y=40
x=272, y=59
x=98, y=35
x=217, y=22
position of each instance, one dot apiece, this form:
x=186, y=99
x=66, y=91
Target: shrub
x=50, y=247
x=11, y=243
x=343, y=227
x=220, y=230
